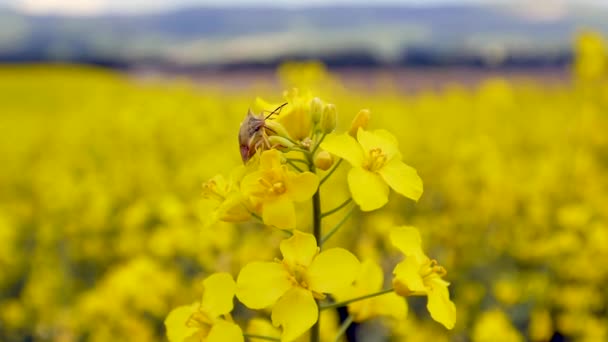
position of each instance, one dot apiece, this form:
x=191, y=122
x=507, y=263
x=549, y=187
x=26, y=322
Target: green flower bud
x=316, y=109
x=329, y=118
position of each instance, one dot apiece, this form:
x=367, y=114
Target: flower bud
x=323, y=160
x=360, y=120
x=316, y=109
x=277, y=141
x=277, y=129
x=328, y=118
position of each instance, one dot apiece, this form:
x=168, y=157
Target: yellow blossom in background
x=273, y=188
x=494, y=325
x=377, y=165
x=291, y=285
x=202, y=321
x=104, y=228
x=418, y=275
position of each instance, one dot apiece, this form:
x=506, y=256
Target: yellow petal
x=301, y=186
x=344, y=146
x=296, y=312
x=279, y=212
x=260, y=105
x=382, y=140
x=370, y=277
x=233, y=209
x=369, y=280
x=250, y=184
x=175, y=323
x=368, y=189
x=407, y=240
x=263, y=327
x=441, y=307
x=260, y=284
x=389, y=305
x=300, y=249
x=407, y=278
x=270, y=159
x=223, y=331
x=218, y=294
x=332, y=270
x=402, y=178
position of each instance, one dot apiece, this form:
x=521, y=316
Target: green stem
x=261, y=337
x=315, y=332
x=336, y=165
x=337, y=226
x=343, y=327
x=356, y=299
x=290, y=162
x=318, y=144
x=296, y=160
x=344, y=204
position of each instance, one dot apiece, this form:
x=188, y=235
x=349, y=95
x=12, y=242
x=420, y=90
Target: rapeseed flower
x=418, y=275
x=291, y=285
x=273, y=188
x=377, y=165
x=231, y=204
x=203, y=321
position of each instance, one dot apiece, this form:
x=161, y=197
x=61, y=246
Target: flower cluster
x=289, y=151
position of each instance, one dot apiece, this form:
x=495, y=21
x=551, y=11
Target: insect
x=252, y=133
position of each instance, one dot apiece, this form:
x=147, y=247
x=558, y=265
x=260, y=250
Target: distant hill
x=340, y=35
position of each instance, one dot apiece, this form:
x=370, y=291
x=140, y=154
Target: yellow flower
x=377, y=165
x=418, y=275
x=370, y=280
x=296, y=116
x=494, y=325
x=232, y=205
x=292, y=284
x=273, y=188
x=202, y=321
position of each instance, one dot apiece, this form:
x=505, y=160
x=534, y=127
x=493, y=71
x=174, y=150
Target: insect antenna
x=277, y=111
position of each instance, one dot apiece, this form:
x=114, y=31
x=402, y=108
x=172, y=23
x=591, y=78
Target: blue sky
x=84, y=7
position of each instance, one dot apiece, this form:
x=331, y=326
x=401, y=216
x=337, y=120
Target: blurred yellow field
x=104, y=229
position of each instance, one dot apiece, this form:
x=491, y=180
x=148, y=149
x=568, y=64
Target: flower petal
x=381, y=140
x=250, y=184
x=225, y=331
x=175, y=323
x=370, y=278
x=300, y=249
x=368, y=189
x=441, y=307
x=389, y=305
x=344, y=146
x=407, y=278
x=407, y=240
x=218, y=294
x=260, y=284
x=279, y=212
x=296, y=312
x=332, y=270
x=270, y=159
x=263, y=327
x=402, y=178
x=301, y=186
